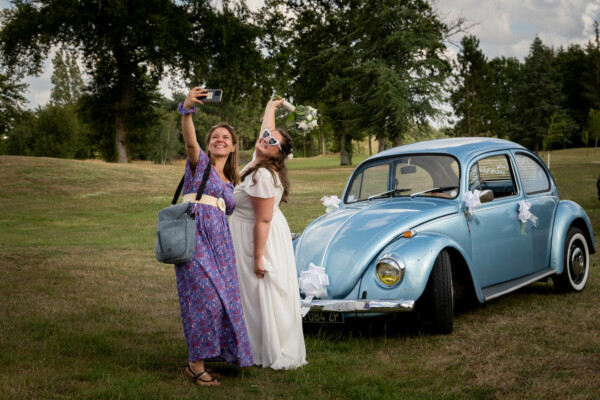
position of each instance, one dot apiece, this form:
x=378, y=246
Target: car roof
x=462, y=148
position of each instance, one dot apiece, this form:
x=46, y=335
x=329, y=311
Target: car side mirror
x=486, y=196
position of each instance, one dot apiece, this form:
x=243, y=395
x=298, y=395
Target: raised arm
x=269, y=117
x=192, y=148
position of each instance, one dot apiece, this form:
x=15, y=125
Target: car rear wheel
x=439, y=295
x=576, y=263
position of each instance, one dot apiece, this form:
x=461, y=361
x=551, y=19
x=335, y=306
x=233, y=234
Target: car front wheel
x=576, y=263
x=439, y=295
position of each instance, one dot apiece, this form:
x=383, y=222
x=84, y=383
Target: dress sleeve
x=191, y=184
x=200, y=164
x=264, y=186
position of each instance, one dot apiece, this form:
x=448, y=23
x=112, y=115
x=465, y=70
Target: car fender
x=568, y=213
x=418, y=254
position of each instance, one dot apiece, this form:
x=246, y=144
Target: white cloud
x=39, y=87
x=255, y=4
x=508, y=27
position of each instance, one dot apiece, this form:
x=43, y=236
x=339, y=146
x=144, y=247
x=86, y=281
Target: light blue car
x=425, y=225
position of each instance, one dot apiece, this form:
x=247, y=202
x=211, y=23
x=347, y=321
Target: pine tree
x=571, y=65
x=471, y=98
x=539, y=96
x=590, y=78
x=400, y=72
x=504, y=76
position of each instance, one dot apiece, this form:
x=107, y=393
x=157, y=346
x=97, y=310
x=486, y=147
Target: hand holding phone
x=211, y=96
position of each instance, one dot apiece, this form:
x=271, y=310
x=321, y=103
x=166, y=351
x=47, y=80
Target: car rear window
x=533, y=175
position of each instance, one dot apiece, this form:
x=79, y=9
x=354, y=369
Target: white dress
x=272, y=304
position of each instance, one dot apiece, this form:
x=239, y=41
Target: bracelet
x=185, y=111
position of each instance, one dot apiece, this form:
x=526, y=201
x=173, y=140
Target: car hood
x=345, y=241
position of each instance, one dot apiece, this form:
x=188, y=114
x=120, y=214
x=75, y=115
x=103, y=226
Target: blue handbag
x=176, y=229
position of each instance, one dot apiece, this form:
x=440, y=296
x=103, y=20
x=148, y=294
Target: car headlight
x=390, y=269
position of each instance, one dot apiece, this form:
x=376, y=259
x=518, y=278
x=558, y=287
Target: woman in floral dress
x=209, y=297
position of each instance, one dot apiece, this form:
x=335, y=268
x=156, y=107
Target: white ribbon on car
x=525, y=215
x=312, y=283
x=331, y=203
x=472, y=200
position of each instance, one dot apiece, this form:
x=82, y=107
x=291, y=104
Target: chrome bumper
x=361, y=306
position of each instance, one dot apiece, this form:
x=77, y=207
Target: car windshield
x=408, y=175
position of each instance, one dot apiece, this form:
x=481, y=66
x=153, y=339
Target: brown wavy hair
x=276, y=165
x=231, y=169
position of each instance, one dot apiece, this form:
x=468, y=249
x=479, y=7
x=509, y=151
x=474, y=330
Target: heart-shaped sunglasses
x=272, y=141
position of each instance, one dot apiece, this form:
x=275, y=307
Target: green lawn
x=87, y=313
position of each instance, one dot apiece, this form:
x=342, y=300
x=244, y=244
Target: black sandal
x=197, y=378
x=213, y=373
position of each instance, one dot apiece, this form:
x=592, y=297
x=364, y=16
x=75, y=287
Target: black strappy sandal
x=213, y=373
x=197, y=378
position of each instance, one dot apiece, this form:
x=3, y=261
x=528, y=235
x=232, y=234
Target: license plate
x=323, y=318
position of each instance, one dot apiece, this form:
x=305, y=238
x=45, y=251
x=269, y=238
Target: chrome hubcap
x=577, y=263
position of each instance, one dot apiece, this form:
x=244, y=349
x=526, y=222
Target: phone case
x=212, y=96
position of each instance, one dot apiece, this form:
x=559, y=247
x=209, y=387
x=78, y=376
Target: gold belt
x=206, y=199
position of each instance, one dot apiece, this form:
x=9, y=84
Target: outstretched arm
x=192, y=148
x=269, y=117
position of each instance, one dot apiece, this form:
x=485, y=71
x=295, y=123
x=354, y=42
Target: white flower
x=472, y=200
x=525, y=215
x=290, y=156
x=331, y=203
x=302, y=119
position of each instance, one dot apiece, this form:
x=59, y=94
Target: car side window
x=533, y=175
x=369, y=182
x=493, y=173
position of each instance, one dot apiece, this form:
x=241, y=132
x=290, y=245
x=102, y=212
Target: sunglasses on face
x=272, y=141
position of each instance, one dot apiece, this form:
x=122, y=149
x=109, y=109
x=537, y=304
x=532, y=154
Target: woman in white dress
x=265, y=256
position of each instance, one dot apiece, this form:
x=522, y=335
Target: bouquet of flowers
x=302, y=119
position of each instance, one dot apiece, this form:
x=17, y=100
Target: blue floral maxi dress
x=209, y=296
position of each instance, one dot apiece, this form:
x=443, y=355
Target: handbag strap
x=200, y=189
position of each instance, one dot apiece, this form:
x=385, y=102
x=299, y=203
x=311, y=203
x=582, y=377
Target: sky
x=504, y=28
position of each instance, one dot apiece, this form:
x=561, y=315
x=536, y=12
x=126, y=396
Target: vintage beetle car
x=406, y=236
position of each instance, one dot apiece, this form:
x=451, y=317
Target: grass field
x=87, y=313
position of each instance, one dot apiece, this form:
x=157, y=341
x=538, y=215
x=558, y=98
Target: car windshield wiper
x=436, y=189
x=388, y=193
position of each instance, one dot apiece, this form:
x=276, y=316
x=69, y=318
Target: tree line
x=550, y=100
x=374, y=69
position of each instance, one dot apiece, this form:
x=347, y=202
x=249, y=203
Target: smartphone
x=212, y=96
